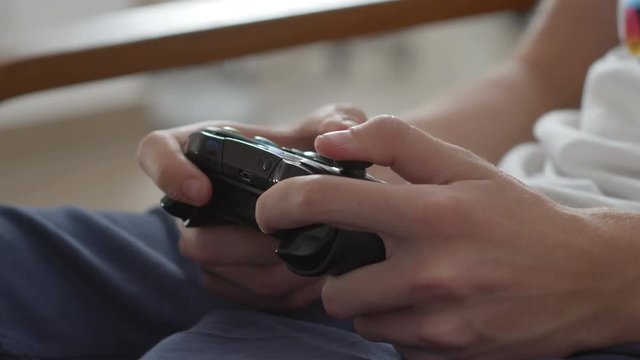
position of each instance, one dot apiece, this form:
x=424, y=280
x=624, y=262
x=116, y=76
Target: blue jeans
x=104, y=285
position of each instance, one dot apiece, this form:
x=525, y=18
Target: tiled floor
x=90, y=160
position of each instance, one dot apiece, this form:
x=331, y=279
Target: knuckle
x=333, y=308
x=430, y=285
x=446, y=332
x=326, y=111
x=333, y=304
x=191, y=246
x=271, y=286
x=442, y=280
x=163, y=176
x=311, y=194
x=443, y=213
x=149, y=141
x=393, y=131
x=161, y=171
x=352, y=112
x=389, y=124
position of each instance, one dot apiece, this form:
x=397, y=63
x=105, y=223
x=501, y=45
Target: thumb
x=412, y=153
x=329, y=118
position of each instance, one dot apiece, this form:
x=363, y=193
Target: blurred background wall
x=76, y=145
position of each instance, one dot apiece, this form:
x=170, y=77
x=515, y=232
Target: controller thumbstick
x=352, y=168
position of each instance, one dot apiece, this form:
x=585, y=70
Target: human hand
x=477, y=267
x=238, y=263
x=160, y=153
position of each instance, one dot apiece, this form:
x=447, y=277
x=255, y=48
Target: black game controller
x=242, y=168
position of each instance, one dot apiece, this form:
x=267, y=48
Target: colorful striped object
x=631, y=25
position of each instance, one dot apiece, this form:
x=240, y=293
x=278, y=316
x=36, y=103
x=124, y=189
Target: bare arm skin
x=546, y=72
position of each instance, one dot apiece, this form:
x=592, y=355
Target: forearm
x=547, y=71
x=487, y=116
x=490, y=115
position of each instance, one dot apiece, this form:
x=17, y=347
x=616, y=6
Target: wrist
x=614, y=232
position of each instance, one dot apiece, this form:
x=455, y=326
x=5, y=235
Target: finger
x=380, y=287
x=351, y=112
x=410, y=152
x=266, y=281
x=160, y=156
x=335, y=122
x=348, y=203
x=247, y=130
x=437, y=327
x=242, y=296
x=282, y=137
x=229, y=245
x=413, y=273
x=334, y=117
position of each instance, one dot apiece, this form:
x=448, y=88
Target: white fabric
x=589, y=157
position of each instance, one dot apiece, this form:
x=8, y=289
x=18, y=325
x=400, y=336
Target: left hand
x=477, y=267
x=238, y=262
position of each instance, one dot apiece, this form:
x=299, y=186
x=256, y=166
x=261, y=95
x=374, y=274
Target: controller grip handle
x=319, y=249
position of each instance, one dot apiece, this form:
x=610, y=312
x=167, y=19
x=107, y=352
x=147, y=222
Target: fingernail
x=192, y=190
x=337, y=138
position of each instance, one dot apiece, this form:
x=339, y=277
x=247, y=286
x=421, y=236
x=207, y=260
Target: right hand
x=238, y=263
